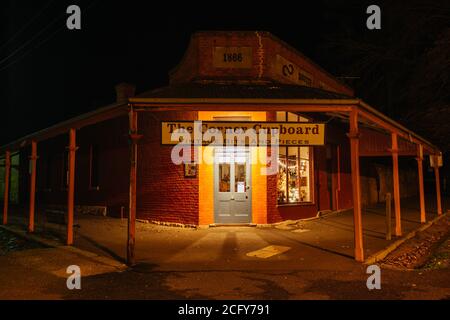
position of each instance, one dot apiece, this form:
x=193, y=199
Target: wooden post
x=6, y=190
x=71, y=187
x=438, y=186
x=134, y=137
x=354, y=153
x=388, y=216
x=396, y=185
x=419, y=159
x=33, y=159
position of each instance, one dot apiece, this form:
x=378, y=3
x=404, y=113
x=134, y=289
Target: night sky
x=49, y=73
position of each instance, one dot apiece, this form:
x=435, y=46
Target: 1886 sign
x=232, y=57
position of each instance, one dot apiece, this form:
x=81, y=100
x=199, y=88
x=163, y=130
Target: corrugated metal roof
x=241, y=91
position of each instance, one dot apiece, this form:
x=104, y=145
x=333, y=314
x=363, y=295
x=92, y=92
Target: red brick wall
x=163, y=193
x=335, y=135
x=198, y=61
x=48, y=185
x=206, y=44
x=274, y=47
x=275, y=212
x=111, y=138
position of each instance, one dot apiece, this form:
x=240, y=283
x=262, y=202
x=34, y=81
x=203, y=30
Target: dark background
x=49, y=73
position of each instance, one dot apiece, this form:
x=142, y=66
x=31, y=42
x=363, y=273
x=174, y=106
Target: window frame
x=311, y=168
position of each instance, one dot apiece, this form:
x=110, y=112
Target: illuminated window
x=295, y=170
x=294, y=175
x=291, y=117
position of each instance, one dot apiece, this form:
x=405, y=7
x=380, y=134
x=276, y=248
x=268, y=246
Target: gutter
x=149, y=102
x=115, y=110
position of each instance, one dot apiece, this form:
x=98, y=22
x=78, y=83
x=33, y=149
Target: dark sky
x=49, y=73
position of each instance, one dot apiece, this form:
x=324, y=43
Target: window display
x=294, y=175
x=294, y=169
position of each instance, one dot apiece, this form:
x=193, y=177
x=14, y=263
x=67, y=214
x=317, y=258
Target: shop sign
x=248, y=133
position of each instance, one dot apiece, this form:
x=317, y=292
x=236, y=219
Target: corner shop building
x=115, y=159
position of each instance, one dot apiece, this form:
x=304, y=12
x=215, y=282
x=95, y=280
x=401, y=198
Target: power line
x=33, y=38
x=30, y=40
x=29, y=51
x=26, y=25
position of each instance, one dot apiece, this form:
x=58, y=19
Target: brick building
x=114, y=160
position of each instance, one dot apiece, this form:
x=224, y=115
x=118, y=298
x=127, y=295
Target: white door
x=232, y=181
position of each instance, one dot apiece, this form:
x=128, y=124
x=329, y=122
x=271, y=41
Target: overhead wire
x=11, y=55
x=25, y=26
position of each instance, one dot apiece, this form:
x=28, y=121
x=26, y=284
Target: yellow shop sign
x=253, y=133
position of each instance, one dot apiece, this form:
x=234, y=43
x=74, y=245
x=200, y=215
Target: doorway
x=232, y=185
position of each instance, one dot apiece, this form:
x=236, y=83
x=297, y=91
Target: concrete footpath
x=313, y=242
x=308, y=260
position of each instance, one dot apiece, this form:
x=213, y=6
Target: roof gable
x=250, y=57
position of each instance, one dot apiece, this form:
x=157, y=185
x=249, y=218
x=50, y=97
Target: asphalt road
x=40, y=273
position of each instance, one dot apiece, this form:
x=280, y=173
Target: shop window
x=292, y=117
x=94, y=166
x=282, y=116
x=295, y=170
x=305, y=174
x=294, y=175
